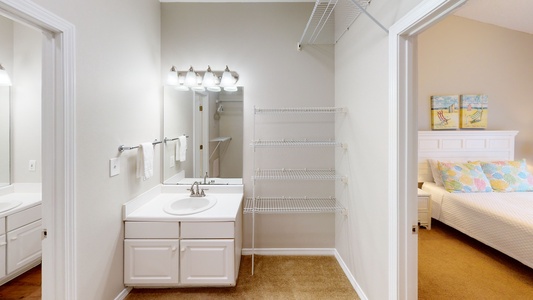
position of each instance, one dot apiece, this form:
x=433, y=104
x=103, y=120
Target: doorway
x=403, y=143
x=58, y=145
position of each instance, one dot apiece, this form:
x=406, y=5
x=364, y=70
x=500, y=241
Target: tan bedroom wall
x=462, y=56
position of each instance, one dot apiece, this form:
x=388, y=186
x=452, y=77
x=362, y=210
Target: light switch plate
x=114, y=167
x=31, y=165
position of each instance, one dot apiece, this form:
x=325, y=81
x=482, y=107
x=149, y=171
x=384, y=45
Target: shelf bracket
x=370, y=16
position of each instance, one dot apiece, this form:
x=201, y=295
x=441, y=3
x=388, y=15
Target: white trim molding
x=402, y=175
x=290, y=251
x=58, y=145
x=350, y=277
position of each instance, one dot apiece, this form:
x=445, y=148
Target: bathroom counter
x=28, y=200
x=149, y=206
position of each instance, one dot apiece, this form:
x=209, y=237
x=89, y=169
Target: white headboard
x=462, y=146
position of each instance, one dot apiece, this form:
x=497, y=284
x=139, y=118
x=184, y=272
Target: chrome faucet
x=198, y=192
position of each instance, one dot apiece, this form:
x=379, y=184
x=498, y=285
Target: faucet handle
x=202, y=193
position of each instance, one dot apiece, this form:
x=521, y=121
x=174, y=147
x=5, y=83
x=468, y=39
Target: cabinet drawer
x=423, y=203
x=207, y=230
x=24, y=217
x=152, y=230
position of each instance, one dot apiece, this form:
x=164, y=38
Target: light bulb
x=4, y=77
x=227, y=78
x=209, y=78
x=172, y=77
x=190, y=78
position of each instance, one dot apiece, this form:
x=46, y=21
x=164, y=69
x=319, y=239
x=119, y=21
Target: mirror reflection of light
x=4, y=77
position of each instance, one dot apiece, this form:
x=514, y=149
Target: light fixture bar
x=211, y=80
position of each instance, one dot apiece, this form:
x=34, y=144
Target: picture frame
x=445, y=112
x=474, y=111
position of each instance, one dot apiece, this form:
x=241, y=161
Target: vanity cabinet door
x=3, y=247
x=151, y=262
x=207, y=262
x=23, y=246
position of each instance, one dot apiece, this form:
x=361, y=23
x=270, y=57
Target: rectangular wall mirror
x=5, y=136
x=210, y=124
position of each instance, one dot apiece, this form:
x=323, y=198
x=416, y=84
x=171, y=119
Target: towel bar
x=170, y=140
x=123, y=148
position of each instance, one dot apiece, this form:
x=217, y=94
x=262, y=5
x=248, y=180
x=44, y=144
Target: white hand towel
x=183, y=148
x=177, y=152
x=145, y=161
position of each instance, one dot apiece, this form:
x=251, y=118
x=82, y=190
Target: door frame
x=403, y=143
x=58, y=145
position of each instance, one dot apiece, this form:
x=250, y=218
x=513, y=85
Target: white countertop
x=28, y=200
x=149, y=207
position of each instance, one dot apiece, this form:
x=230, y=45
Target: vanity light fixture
x=210, y=80
x=228, y=80
x=4, y=77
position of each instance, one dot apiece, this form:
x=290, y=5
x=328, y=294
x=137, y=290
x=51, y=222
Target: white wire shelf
x=300, y=110
x=295, y=143
x=277, y=205
x=330, y=19
x=296, y=174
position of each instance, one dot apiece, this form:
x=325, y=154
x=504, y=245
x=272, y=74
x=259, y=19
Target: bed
x=501, y=220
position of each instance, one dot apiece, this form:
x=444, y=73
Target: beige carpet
x=452, y=265
x=276, y=277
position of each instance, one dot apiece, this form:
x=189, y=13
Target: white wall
x=118, y=98
x=462, y=56
x=258, y=40
x=361, y=84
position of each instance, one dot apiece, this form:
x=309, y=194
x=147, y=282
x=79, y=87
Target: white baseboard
x=350, y=277
x=124, y=293
x=289, y=251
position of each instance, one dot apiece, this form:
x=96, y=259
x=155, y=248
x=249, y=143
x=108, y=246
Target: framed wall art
x=474, y=111
x=445, y=112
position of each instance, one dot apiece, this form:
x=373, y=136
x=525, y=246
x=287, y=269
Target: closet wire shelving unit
x=331, y=19
x=290, y=205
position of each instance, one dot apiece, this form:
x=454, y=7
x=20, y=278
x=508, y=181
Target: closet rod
x=123, y=148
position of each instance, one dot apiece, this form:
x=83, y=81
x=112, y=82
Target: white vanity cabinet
x=207, y=253
x=175, y=254
x=20, y=242
x=151, y=255
x=23, y=238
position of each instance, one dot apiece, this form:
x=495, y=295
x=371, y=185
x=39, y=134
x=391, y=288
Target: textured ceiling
x=512, y=14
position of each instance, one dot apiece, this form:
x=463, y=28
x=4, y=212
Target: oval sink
x=190, y=205
x=7, y=205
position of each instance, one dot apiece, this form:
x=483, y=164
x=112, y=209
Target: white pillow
x=437, y=174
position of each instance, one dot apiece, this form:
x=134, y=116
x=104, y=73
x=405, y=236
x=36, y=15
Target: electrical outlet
x=114, y=167
x=172, y=162
x=31, y=165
